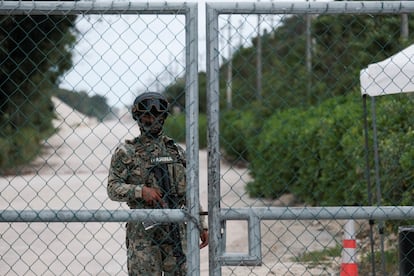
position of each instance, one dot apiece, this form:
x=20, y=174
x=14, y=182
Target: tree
x=34, y=53
x=344, y=44
x=175, y=93
x=94, y=106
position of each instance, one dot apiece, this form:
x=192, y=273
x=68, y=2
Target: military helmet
x=147, y=102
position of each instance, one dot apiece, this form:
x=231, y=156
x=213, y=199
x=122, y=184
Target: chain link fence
x=282, y=145
x=286, y=104
x=108, y=54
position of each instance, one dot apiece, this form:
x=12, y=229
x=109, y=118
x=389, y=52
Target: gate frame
x=191, y=215
x=218, y=216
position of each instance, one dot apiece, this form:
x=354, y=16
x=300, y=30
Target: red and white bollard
x=349, y=265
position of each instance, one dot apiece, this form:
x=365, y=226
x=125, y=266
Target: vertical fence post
x=192, y=139
x=406, y=249
x=213, y=146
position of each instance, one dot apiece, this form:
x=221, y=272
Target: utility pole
x=241, y=29
x=259, y=61
x=309, y=57
x=229, y=68
x=404, y=26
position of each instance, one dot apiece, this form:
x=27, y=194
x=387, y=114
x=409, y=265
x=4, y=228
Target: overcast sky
x=120, y=56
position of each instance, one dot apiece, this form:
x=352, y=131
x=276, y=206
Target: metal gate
x=68, y=185
x=56, y=217
x=229, y=210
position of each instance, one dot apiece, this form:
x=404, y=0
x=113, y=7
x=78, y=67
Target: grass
x=316, y=258
x=325, y=256
x=391, y=263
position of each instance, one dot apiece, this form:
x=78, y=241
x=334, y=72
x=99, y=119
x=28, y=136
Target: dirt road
x=72, y=174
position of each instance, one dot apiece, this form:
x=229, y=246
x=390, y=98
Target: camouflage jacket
x=132, y=167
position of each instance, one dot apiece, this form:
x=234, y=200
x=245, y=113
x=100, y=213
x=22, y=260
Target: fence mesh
x=291, y=132
x=102, y=62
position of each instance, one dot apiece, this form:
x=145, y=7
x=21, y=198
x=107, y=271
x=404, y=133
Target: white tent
x=390, y=76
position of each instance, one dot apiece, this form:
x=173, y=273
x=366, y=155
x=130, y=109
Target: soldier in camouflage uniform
x=148, y=172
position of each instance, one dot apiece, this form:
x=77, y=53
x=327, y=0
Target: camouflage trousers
x=145, y=257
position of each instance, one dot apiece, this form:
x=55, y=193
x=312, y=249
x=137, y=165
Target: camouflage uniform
x=149, y=251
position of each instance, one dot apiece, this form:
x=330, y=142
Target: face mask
x=151, y=125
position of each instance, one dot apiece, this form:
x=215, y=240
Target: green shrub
x=26, y=146
x=319, y=153
x=175, y=128
x=19, y=148
x=4, y=154
x=395, y=137
x=301, y=152
x=274, y=167
x=236, y=128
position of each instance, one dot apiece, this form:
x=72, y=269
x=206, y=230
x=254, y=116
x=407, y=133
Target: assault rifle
x=170, y=197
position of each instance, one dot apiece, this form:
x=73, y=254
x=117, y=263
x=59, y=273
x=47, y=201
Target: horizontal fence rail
x=172, y=215
x=336, y=7
x=342, y=7
x=166, y=215
x=92, y=7
x=320, y=213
